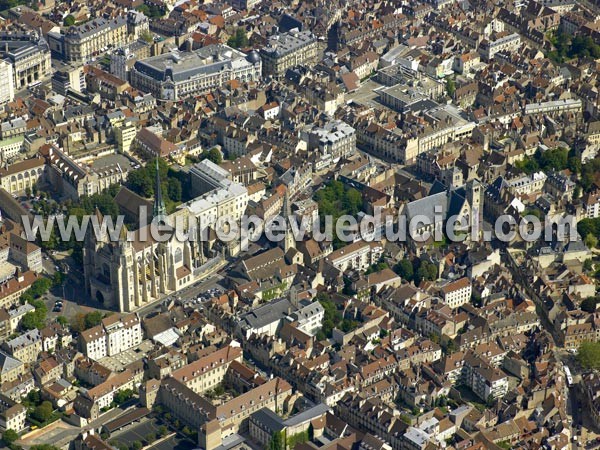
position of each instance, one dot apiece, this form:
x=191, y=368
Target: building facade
x=7, y=88
x=176, y=75
x=288, y=50
x=29, y=55
x=113, y=336
x=85, y=42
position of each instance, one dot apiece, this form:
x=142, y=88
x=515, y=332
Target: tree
x=28, y=191
x=93, y=319
x=450, y=87
x=150, y=438
x=589, y=226
x=331, y=316
x=33, y=398
x=43, y=412
x=527, y=165
x=34, y=319
x=10, y=436
x=39, y=287
x=62, y=320
x=554, y=159
x=136, y=445
x=69, y=21
x=213, y=155
x=239, y=39
x=141, y=183
x=277, y=441
x=405, y=269
x=377, y=267
x=589, y=304
x=77, y=322
x=591, y=241
x=147, y=36
x=162, y=431
x=426, y=271
x=7, y=4
x=174, y=189
x=151, y=11
x=58, y=279
x=122, y=396
x=588, y=355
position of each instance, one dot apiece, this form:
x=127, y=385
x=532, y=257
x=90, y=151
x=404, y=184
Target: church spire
x=286, y=210
x=289, y=240
x=159, y=211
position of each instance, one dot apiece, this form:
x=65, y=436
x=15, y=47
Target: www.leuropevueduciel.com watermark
x=347, y=228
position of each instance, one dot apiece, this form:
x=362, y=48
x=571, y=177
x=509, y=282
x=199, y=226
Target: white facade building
x=7, y=87
x=457, y=293
x=113, y=336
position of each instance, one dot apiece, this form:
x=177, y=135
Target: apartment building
x=25, y=347
x=217, y=195
x=85, y=42
x=17, y=250
x=68, y=79
x=501, y=42
x=475, y=371
x=335, y=139
x=7, y=89
x=125, y=135
x=17, y=314
x=13, y=127
x=359, y=255
x=287, y=50
x=176, y=74
x=457, y=293
x=12, y=414
x=555, y=107
x=483, y=378
x=11, y=289
x=93, y=342
x=527, y=184
x=89, y=403
x=591, y=205
x=113, y=336
x=10, y=368
x=309, y=317
x=444, y=124
x=207, y=372
x=122, y=333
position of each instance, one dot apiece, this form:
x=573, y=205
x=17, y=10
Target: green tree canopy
x=426, y=271
x=69, y=21
x=588, y=355
x=239, y=39
x=277, y=441
x=10, y=436
x=213, y=155
x=591, y=241
x=589, y=304
x=405, y=269
x=43, y=412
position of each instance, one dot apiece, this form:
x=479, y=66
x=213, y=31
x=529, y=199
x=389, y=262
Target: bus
x=569, y=377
